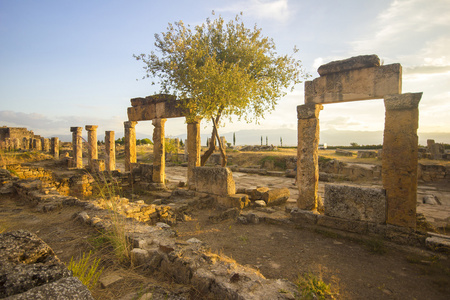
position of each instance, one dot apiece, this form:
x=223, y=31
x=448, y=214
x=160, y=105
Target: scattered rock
x=110, y=279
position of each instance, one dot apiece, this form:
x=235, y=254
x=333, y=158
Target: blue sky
x=69, y=63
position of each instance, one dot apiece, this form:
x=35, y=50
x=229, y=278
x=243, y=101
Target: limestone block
x=400, y=158
x=238, y=200
x=139, y=257
x=60, y=289
x=276, y=196
x=26, y=262
x=355, y=203
x=214, y=180
x=257, y=194
x=308, y=163
x=353, y=63
x=402, y=101
x=308, y=111
x=351, y=85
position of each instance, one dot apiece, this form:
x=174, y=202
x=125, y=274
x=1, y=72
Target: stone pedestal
x=55, y=147
x=130, y=144
x=400, y=158
x=159, y=163
x=193, y=150
x=110, y=149
x=307, y=155
x=92, y=144
x=77, y=146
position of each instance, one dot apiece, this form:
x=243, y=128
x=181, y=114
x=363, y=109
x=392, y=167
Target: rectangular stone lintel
x=150, y=111
x=402, y=101
x=353, y=85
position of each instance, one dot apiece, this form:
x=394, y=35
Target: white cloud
x=419, y=25
x=264, y=9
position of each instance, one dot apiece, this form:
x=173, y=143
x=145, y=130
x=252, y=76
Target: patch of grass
x=86, y=269
x=311, y=286
x=279, y=162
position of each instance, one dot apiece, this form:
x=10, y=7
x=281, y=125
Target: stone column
x=55, y=147
x=77, y=146
x=45, y=145
x=130, y=144
x=307, y=155
x=193, y=150
x=159, y=163
x=110, y=149
x=400, y=158
x=37, y=143
x=92, y=143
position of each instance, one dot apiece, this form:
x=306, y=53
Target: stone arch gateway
x=158, y=108
x=364, y=78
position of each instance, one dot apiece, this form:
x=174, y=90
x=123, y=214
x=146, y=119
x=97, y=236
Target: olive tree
x=221, y=69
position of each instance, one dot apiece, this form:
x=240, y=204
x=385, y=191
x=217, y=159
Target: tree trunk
x=212, y=144
x=222, y=150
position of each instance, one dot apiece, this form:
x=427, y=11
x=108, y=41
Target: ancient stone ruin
x=354, y=79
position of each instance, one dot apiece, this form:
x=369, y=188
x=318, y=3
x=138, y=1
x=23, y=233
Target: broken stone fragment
x=276, y=196
x=353, y=63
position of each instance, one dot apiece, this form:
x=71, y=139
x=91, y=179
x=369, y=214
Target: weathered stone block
x=214, y=180
x=276, y=196
x=360, y=84
x=257, y=194
x=353, y=63
x=355, y=203
x=402, y=101
x=400, y=158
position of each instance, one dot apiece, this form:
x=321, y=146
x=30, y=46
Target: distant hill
x=289, y=136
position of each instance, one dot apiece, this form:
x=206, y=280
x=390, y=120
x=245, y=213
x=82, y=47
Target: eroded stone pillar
x=110, y=149
x=307, y=155
x=400, y=158
x=92, y=144
x=130, y=144
x=55, y=147
x=77, y=146
x=193, y=150
x=159, y=157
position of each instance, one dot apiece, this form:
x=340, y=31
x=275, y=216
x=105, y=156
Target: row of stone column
x=93, y=162
x=193, y=148
x=399, y=160
x=37, y=143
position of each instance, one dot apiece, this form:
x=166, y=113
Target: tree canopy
x=220, y=69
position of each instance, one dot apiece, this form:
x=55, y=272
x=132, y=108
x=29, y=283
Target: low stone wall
x=29, y=269
x=432, y=173
x=355, y=203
